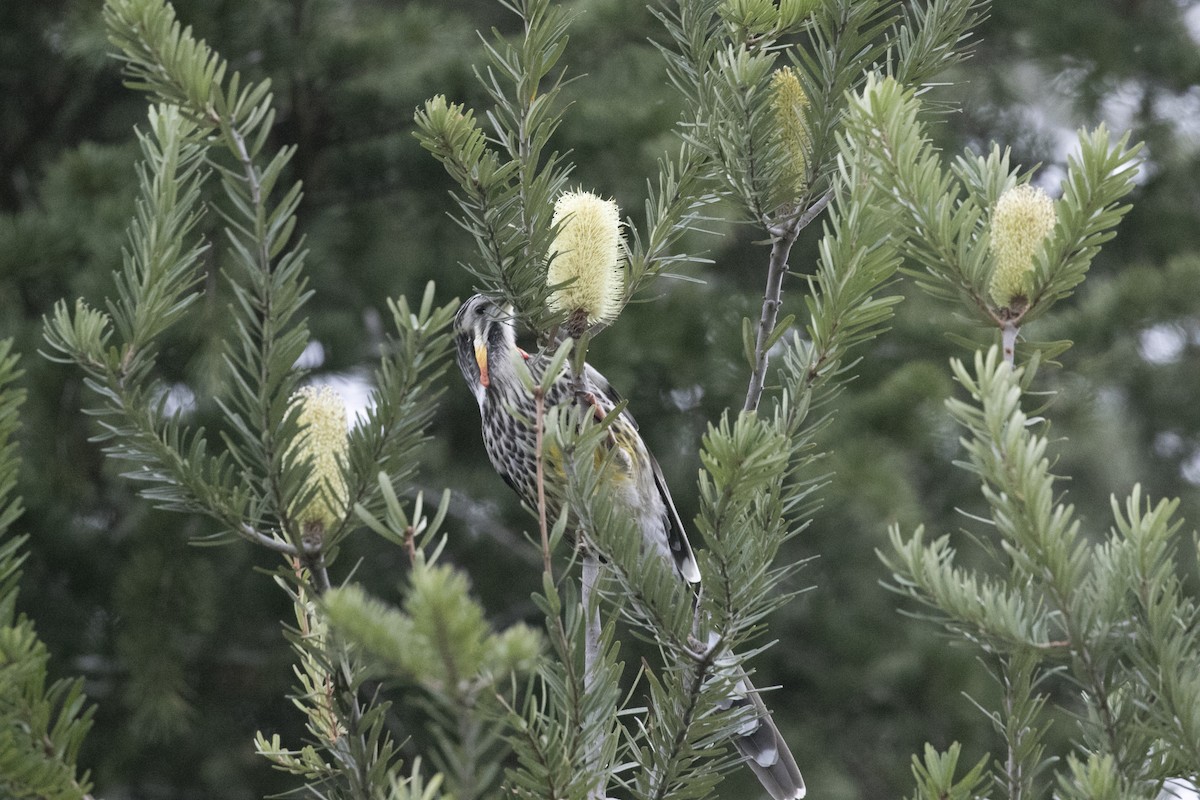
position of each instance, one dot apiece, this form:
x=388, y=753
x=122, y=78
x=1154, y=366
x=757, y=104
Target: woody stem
x=783, y=236
x=591, y=655
x=539, y=400
x=1008, y=336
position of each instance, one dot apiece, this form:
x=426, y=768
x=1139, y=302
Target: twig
x=689, y=717
x=1008, y=334
x=319, y=574
x=1012, y=764
x=258, y=537
x=783, y=236
x=590, y=569
x=339, y=675
x=591, y=654
x=539, y=401
x=410, y=545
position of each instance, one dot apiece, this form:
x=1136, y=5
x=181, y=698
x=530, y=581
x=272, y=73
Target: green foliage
x=858, y=255
x=415, y=787
x=943, y=212
x=403, y=402
x=566, y=733
x=166, y=61
x=350, y=753
x=1097, y=179
x=153, y=592
x=508, y=180
x=756, y=490
x=1049, y=604
x=935, y=775
x=41, y=726
x=755, y=19
x=508, y=191
x=157, y=286
x=1049, y=601
x=250, y=486
x=342, y=78
x=743, y=497
x=726, y=74
x=439, y=640
x=12, y=398
x=726, y=53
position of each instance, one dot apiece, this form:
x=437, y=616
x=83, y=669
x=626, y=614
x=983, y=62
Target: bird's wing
x=677, y=540
x=760, y=741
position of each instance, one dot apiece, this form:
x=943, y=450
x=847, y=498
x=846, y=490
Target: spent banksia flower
x=586, y=252
x=323, y=442
x=789, y=102
x=1022, y=219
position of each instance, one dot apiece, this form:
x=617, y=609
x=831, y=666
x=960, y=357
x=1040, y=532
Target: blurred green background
x=181, y=647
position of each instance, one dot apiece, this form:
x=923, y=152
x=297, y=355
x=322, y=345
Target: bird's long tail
x=764, y=749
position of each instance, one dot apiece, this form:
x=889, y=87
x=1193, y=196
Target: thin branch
x=410, y=545
x=803, y=220
x=1008, y=334
x=703, y=668
x=781, y=246
x=591, y=657
x=539, y=400
x=340, y=679
x=782, y=238
x=318, y=572
x=251, y=534
x=1012, y=764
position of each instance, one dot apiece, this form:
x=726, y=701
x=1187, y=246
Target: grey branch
x=783, y=236
x=591, y=654
x=255, y=536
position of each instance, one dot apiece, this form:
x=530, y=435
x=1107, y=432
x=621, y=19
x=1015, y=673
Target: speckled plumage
x=508, y=410
x=486, y=350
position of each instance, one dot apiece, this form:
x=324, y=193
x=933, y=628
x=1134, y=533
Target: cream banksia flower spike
x=1022, y=220
x=587, y=252
x=322, y=440
x=789, y=102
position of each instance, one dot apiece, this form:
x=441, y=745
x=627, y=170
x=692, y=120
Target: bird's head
x=485, y=340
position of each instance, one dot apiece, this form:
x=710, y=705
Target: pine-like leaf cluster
x=1102, y=626
x=42, y=723
x=943, y=212
x=509, y=179
x=757, y=487
x=250, y=477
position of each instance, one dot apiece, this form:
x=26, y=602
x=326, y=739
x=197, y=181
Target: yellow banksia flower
x=587, y=252
x=789, y=101
x=1022, y=220
x=323, y=441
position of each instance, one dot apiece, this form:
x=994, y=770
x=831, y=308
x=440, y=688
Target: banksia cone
x=789, y=102
x=322, y=440
x=586, y=252
x=1022, y=219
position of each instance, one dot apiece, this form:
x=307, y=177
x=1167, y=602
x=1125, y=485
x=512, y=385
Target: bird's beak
x=481, y=360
